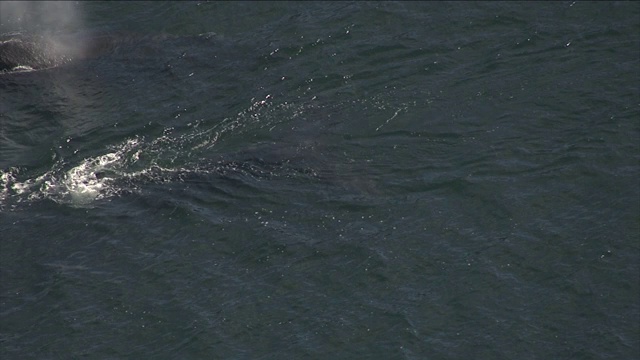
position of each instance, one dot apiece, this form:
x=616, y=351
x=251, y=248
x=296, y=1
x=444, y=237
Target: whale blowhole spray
x=36, y=34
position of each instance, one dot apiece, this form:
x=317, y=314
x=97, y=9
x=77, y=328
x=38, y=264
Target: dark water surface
x=323, y=181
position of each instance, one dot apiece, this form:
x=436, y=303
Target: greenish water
x=322, y=180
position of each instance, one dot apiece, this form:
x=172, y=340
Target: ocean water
x=321, y=180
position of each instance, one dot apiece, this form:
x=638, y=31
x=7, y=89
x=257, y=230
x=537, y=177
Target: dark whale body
x=20, y=53
x=33, y=52
x=16, y=54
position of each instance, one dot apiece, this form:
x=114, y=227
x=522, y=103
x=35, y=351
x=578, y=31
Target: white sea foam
x=80, y=185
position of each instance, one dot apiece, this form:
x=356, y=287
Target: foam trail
x=80, y=185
